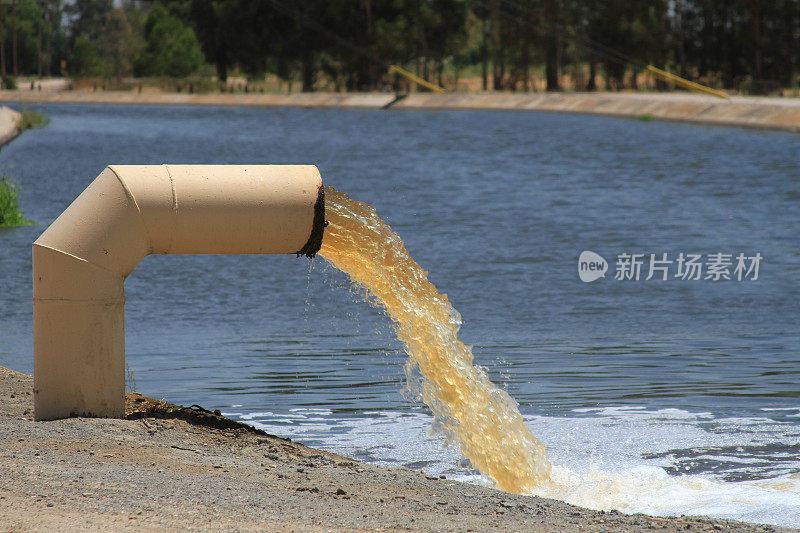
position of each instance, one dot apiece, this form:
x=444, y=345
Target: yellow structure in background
x=663, y=74
x=677, y=80
x=416, y=79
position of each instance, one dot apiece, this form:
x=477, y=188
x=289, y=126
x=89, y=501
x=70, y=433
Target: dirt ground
x=172, y=468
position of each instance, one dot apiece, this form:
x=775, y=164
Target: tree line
x=747, y=45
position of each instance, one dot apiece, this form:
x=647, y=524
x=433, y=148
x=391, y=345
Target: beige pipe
x=81, y=261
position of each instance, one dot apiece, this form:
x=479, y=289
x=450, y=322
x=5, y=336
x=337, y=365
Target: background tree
x=750, y=45
x=171, y=48
x=116, y=45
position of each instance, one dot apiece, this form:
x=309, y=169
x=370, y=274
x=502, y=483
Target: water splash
x=466, y=405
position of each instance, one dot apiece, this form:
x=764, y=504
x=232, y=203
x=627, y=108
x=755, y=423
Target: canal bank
x=740, y=111
x=9, y=121
x=751, y=112
x=167, y=467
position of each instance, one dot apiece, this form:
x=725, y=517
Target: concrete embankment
x=344, y=100
x=771, y=113
x=754, y=112
x=8, y=125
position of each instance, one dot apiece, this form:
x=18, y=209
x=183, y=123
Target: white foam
x=609, y=458
x=648, y=489
x=794, y=415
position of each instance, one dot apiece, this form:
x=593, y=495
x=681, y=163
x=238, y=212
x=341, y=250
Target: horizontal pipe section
x=81, y=261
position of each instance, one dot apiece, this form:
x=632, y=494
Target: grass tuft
x=130, y=379
x=647, y=117
x=31, y=119
x=10, y=214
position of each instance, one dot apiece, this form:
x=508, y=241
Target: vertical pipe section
x=81, y=261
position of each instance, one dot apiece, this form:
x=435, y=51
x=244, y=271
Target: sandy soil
x=173, y=468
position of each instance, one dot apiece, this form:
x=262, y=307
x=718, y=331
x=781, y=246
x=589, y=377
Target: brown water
x=467, y=406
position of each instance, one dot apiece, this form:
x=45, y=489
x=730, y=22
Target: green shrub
x=31, y=119
x=9, y=82
x=10, y=214
x=647, y=117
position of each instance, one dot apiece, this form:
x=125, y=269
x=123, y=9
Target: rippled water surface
x=643, y=388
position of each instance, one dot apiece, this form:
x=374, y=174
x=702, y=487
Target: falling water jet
x=483, y=419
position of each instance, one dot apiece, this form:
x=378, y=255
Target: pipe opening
x=314, y=243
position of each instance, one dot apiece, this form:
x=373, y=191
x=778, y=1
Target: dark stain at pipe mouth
x=314, y=242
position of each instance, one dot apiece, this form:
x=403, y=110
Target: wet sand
x=740, y=111
x=172, y=468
